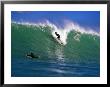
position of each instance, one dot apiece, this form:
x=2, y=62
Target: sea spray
x=63, y=32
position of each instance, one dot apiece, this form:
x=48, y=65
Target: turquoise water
x=79, y=57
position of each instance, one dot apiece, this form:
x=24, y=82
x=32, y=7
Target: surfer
x=58, y=36
x=32, y=55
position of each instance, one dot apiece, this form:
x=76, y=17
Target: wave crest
x=68, y=27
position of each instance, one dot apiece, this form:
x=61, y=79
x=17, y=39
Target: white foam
x=63, y=32
x=69, y=26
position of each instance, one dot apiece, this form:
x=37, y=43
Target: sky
x=90, y=19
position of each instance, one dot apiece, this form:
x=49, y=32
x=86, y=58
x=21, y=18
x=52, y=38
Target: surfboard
x=58, y=40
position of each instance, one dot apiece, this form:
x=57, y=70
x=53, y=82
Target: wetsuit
x=58, y=36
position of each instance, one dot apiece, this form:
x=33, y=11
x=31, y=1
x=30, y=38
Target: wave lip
x=68, y=27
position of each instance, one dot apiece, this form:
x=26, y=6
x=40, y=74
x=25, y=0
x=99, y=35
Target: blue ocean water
x=79, y=57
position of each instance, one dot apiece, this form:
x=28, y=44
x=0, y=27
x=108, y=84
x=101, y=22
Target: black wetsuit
x=32, y=55
x=58, y=36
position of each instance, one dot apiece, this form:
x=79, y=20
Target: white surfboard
x=58, y=40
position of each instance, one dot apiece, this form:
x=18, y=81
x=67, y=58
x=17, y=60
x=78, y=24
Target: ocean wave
x=64, y=32
x=69, y=26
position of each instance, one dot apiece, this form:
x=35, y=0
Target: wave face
x=80, y=56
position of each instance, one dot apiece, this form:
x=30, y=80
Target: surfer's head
x=55, y=32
